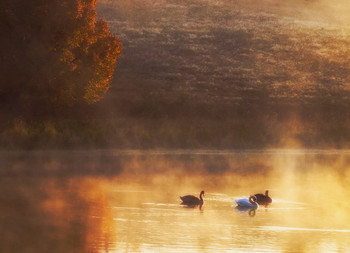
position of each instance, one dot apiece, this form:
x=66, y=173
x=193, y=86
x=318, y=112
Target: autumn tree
x=54, y=54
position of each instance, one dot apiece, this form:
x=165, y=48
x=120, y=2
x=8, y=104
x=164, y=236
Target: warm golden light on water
x=54, y=215
x=309, y=212
x=138, y=209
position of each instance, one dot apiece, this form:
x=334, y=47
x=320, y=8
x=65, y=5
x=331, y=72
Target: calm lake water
x=128, y=201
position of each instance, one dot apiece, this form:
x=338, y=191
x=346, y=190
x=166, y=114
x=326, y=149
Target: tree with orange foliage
x=54, y=54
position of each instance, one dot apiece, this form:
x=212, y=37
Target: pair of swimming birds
x=252, y=202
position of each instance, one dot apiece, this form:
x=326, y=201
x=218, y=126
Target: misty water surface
x=128, y=201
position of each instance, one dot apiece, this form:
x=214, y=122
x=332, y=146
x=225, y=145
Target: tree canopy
x=54, y=54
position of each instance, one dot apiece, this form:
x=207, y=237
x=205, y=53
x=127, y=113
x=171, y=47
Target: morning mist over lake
x=175, y=126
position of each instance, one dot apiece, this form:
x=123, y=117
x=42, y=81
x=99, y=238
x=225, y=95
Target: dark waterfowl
x=191, y=200
x=263, y=199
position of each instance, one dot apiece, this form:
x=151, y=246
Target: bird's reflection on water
x=46, y=215
x=200, y=207
x=250, y=211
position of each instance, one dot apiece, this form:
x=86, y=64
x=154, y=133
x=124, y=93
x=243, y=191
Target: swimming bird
x=263, y=199
x=251, y=202
x=191, y=200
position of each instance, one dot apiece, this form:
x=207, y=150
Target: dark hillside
x=280, y=71
x=206, y=74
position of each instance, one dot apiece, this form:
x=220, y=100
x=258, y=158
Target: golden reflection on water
x=309, y=213
x=54, y=215
x=138, y=209
x=162, y=225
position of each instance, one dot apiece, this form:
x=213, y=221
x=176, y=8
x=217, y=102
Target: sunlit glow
x=274, y=228
x=138, y=208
